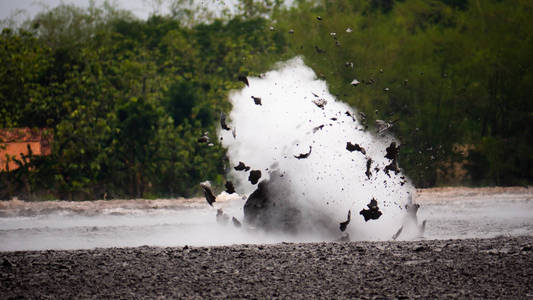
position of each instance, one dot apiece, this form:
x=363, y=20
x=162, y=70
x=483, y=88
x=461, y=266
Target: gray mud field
x=469, y=268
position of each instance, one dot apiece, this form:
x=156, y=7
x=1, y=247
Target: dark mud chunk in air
x=244, y=79
x=350, y=115
x=368, y=166
x=254, y=176
x=372, y=213
x=392, y=151
x=304, y=155
x=392, y=154
x=344, y=224
x=223, y=121
x=355, y=147
x=230, y=189
x=318, y=128
x=257, y=100
x=393, y=166
x=203, y=139
x=208, y=193
x=320, y=102
x=241, y=167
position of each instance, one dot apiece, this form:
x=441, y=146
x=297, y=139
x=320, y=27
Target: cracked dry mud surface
x=474, y=268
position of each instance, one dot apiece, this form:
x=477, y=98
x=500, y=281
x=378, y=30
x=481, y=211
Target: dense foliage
x=127, y=99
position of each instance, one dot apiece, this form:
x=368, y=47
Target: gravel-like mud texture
x=485, y=268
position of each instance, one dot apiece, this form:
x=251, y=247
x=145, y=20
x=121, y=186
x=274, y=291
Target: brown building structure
x=14, y=143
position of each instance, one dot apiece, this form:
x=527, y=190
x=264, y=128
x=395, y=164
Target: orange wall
x=15, y=149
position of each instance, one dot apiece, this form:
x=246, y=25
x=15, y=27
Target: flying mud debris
x=257, y=100
x=230, y=189
x=208, y=193
x=368, y=173
x=223, y=124
x=318, y=128
x=392, y=154
x=392, y=151
x=392, y=167
x=241, y=167
x=343, y=225
x=244, y=79
x=349, y=114
x=372, y=213
x=320, y=102
x=203, y=139
x=355, y=147
x=254, y=177
x=304, y=155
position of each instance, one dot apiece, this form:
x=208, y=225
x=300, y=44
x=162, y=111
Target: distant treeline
x=127, y=99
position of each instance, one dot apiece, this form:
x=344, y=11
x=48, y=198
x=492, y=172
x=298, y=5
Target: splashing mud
x=316, y=159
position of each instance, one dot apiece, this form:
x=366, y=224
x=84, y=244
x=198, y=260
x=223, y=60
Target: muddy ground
x=474, y=268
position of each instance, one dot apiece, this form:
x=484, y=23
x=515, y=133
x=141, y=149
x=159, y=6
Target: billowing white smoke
x=331, y=180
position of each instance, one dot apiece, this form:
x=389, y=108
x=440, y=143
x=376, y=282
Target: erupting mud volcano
x=317, y=161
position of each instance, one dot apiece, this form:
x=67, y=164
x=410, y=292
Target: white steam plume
x=331, y=180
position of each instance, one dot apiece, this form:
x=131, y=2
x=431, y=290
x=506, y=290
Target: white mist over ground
x=454, y=213
x=332, y=180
